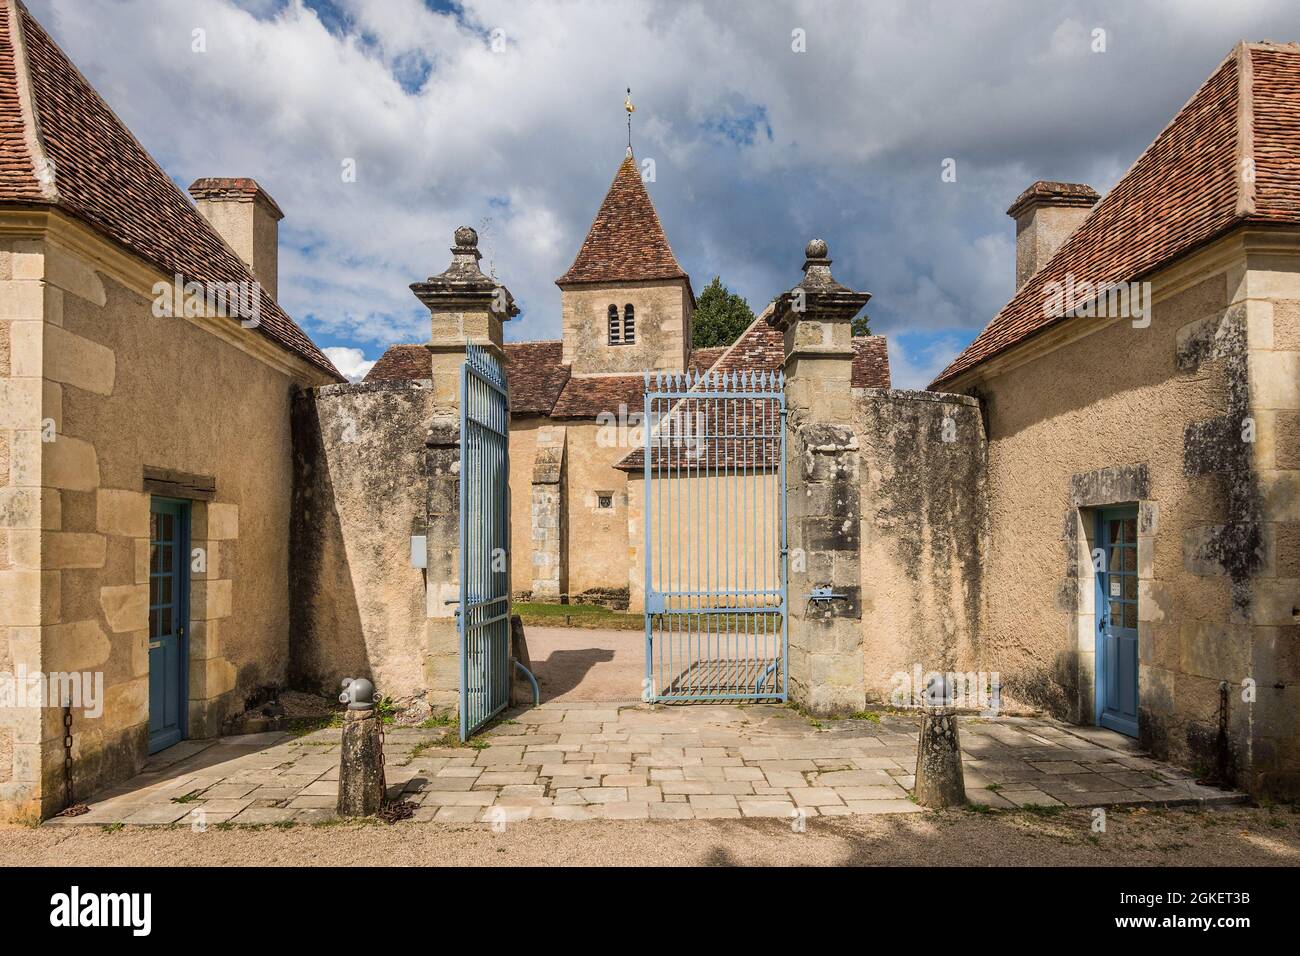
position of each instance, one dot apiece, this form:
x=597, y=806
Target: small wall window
x=629, y=325
x=605, y=500
x=615, y=329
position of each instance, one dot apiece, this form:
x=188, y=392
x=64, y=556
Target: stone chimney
x=245, y=215
x=1045, y=214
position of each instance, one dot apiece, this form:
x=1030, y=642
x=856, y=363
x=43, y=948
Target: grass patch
x=868, y=715
x=438, y=720
x=1039, y=810
x=187, y=798
x=576, y=615
x=111, y=827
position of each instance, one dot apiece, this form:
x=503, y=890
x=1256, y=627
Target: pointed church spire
x=627, y=105
x=626, y=242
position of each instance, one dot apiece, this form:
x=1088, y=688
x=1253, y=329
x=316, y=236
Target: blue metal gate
x=484, y=618
x=715, y=537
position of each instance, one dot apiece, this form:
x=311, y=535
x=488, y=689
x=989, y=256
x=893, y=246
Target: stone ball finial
x=466, y=236
x=816, y=249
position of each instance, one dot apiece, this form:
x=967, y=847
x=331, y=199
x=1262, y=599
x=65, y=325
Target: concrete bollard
x=361, y=764
x=939, y=781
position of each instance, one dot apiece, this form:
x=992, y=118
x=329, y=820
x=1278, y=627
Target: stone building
x=1097, y=500
x=625, y=307
x=122, y=453
x=1144, y=384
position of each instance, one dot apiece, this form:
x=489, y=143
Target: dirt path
x=1228, y=837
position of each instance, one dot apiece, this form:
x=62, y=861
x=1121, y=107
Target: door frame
x=184, y=513
x=1102, y=540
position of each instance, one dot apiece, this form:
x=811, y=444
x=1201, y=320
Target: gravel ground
x=1143, y=837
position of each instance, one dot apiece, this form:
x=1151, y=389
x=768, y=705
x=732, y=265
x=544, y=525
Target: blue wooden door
x=168, y=616
x=1117, y=621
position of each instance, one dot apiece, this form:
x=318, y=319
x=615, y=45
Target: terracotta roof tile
x=701, y=360
x=401, y=363
x=870, y=362
x=1181, y=192
x=534, y=370
x=626, y=242
x=589, y=396
x=103, y=176
x=537, y=376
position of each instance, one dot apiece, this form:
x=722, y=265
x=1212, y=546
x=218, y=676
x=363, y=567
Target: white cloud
x=445, y=132
x=351, y=362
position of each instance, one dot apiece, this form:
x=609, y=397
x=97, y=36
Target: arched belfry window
x=615, y=330
x=629, y=325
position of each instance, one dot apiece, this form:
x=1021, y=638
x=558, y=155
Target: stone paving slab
x=586, y=761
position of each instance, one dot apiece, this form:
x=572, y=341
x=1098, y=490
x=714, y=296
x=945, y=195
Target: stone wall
x=924, y=531
x=360, y=493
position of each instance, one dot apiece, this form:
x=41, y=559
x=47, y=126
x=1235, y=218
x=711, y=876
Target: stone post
x=361, y=763
x=465, y=307
x=939, y=779
x=827, y=670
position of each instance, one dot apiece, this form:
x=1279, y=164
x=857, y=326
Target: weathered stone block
x=122, y=512
x=126, y=607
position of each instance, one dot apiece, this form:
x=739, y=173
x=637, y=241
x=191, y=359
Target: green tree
x=720, y=316
x=861, y=325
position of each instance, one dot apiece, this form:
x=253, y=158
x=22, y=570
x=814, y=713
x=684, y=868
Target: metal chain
x=67, y=756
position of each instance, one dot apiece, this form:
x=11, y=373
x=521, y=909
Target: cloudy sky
x=508, y=116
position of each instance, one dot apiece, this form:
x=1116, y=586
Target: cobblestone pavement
x=586, y=761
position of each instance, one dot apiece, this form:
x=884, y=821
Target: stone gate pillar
x=465, y=307
x=823, y=491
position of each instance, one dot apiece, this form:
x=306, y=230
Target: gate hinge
x=825, y=594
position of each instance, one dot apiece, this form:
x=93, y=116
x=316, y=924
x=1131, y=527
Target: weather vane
x=627, y=105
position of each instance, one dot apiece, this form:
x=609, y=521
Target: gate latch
x=654, y=603
x=824, y=593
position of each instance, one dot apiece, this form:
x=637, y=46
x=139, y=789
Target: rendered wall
x=924, y=532
x=598, y=545
x=360, y=493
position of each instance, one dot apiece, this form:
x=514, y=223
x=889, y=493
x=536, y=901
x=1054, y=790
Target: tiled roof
x=534, y=370
x=588, y=396
x=103, y=176
x=1182, y=192
x=870, y=362
x=701, y=360
x=626, y=242
x=401, y=363
x=537, y=375
x=761, y=348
